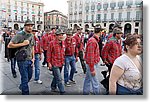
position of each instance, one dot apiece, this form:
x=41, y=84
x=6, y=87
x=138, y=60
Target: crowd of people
x=121, y=54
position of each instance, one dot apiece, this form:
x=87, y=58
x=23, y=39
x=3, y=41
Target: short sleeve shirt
x=132, y=77
x=20, y=37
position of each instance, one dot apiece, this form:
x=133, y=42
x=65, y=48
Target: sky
x=60, y=5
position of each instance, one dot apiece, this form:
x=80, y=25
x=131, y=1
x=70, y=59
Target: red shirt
x=111, y=50
x=70, y=45
x=55, y=53
x=92, y=52
x=45, y=41
x=51, y=37
x=37, y=47
x=79, y=42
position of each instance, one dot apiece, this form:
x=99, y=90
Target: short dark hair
x=97, y=28
x=131, y=40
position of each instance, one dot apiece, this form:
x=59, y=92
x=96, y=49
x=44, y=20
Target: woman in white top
x=126, y=74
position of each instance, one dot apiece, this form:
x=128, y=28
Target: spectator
x=126, y=74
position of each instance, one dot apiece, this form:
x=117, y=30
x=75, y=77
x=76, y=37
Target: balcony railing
x=128, y=19
x=98, y=21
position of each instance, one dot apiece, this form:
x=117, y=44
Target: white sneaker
x=67, y=84
x=38, y=81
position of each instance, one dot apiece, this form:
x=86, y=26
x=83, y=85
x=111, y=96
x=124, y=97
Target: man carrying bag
x=24, y=41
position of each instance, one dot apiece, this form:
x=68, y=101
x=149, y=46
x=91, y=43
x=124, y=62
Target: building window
x=21, y=18
x=120, y=4
x=129, y=3
x=70, y=25
x=99, y=7
x=128, y=15
x=87, y=8
x=120, y=16
x=105, y=6
x=138, y=3
x=87, y=17
x=92, y=7
x=98, y=17
x=105, y=17
x=136, y=24
x=112, y=5
x=138, y=15
x=16, y=17
x=80, y=25
x=75, y=5
x=112, y=16
x=92, y=18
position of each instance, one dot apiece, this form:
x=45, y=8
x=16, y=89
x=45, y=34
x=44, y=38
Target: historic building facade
x=55, y=18
x=13, y=13
x=105, y=12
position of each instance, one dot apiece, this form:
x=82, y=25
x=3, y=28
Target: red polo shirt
x=45, y=41
x=79, y=42
x=55, y=53
x=92, y=52
x=70, y=45
x=111, y=50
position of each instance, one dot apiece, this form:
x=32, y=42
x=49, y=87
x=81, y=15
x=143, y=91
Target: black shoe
x=104, y=73
x=62, y=93
x=14, y=75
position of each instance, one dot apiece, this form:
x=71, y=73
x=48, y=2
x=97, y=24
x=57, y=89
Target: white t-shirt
x=132, y=77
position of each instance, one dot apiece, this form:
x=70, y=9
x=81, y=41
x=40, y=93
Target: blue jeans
x=69, y=60
x=37, y=67
x=13, y=65
x=89, y=79
x=121, y=90
x=26, y=71
x=57, y=79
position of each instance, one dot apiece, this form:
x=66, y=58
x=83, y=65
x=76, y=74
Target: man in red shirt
x=111, y=50
x=37, y=55
x=92, y=58
x=52, y=35
x=55, y=59
x=44, y=43
x=70, y=58
x=80, y=47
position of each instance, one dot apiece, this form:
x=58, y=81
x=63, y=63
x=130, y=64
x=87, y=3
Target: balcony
x=104, y=20
x=137, y=19
x=120, y=7
x=87, y=21
x=39, y=22
x=120, y=20
x=128, y=19
x=112, y=20
x=98, y=21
